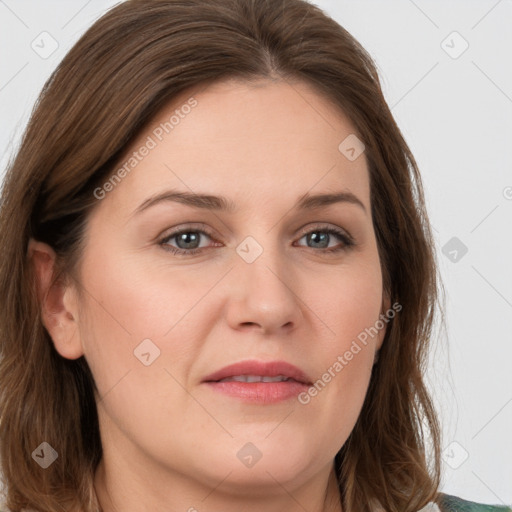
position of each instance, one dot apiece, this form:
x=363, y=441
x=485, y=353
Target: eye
x=188, y=240
x=320, y=237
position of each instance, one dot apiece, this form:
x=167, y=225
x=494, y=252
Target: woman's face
x=261, y=281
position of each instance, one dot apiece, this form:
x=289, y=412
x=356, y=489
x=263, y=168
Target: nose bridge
x=264, y=283
x=262, y=257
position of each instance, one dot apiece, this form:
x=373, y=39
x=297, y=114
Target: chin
x=265, y=477
x=261, y=463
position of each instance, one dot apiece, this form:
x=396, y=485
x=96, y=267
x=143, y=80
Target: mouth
x=259, y=382
x=259, y=371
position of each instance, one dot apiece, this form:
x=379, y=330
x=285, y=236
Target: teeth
x=278, y=378
x=255, y=378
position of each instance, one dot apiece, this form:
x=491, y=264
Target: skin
x=170, y=442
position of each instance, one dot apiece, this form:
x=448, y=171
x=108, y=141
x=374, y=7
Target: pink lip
x=260, y=392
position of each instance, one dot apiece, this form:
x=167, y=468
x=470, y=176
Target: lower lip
x=260, y=392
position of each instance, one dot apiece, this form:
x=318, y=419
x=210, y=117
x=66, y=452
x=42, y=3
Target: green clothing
x=448, y=503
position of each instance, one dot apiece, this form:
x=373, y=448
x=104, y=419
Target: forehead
x=263, y=142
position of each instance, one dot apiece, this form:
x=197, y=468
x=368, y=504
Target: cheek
x=135, y=300
x=348, y=311
x=139, y=384
x=347, y=302
x=137, y=313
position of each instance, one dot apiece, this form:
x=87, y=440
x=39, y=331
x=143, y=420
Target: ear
x=58, y=301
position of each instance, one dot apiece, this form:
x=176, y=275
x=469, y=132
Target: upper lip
x=262, y=368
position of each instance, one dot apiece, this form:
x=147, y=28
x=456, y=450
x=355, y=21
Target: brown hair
x=132, y=61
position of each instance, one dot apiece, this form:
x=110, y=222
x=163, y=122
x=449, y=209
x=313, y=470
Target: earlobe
x=57, y=301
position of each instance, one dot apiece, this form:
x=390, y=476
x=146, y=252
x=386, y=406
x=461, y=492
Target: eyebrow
x=223, y=204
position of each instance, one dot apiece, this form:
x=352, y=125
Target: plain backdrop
x=446, y=70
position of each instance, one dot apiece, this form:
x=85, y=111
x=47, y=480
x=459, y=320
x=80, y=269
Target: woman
x=173, y=337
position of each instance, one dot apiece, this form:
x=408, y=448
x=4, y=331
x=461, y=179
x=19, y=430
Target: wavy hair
x=120, y=73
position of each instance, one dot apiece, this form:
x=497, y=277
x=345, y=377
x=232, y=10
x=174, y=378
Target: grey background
x=455, y=111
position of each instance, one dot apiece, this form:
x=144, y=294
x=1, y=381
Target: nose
x=262, y=296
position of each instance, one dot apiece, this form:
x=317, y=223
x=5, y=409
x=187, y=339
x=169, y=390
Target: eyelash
x=348, y=242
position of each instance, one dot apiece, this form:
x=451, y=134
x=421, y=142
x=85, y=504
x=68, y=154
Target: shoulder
x=449, y=503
